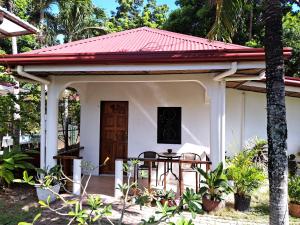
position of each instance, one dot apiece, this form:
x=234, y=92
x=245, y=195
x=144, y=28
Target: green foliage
x=166, y=195
x=197, y=14
x=11, y=162
x=50, y=177
x=164, y=213
x=291, y=37
x=294, y=189
x=247, y=175
x=183, y=221
x=192, y=200
x=29, y=102
x=215, y=183
x=79, y=19
x=132, y=14
x=90, y=213
x=292, y=165
x=13, y=213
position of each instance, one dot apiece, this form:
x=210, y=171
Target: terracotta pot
x=210, y=205
x=170, y=202
x=294, y=209
x=242, y=203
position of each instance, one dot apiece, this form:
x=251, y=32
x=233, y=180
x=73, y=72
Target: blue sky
x=109, y=5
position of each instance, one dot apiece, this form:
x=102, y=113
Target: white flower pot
x=44, y=193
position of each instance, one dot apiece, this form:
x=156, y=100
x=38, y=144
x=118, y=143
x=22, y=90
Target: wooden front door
x=113, y=133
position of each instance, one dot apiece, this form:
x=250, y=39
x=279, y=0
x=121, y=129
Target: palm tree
x=79, y=19
x=44, y=19
x=227, y=12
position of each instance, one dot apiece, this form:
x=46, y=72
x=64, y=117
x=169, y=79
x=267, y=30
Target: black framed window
x=169, y=125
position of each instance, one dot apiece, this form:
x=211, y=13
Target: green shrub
x=10, y=162
x=50, y=177
x=294, y=189
x=215, y=183
x=247, y=175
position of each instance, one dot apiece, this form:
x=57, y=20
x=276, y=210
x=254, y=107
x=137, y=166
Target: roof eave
x=139, y=57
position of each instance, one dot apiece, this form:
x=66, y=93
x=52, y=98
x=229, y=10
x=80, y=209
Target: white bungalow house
x=149, y=89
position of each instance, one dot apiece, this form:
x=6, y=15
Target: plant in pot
x=294, y=195
x=215, y=187
x=48, y=183
x=166, y=196
x=247, y=177
x=292, y=165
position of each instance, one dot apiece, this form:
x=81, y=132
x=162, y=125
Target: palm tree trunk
x=9, y=5
x=276, y=114
x=250, y=24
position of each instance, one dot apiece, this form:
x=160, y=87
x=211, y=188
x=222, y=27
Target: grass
x=15, y=209
x=16, y=213
x=259, y=208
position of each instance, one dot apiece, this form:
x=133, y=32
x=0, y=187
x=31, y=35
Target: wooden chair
x=145, y=165
x=190, y=167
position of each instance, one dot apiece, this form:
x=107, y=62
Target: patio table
x=170, y=156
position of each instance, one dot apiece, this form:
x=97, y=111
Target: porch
x=199, y=98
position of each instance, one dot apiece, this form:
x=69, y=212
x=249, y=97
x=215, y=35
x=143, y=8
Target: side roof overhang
x=12, y=26
x=143, y=57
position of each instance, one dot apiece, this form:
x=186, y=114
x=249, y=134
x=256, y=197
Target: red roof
x=141, y=45
x=138, y=40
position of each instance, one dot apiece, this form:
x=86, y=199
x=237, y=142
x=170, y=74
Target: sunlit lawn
x=15, y=209
x=259, y=208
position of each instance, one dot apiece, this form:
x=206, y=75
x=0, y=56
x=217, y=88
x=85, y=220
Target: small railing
x=119, y=170
x=70, y=160
x=66, y=157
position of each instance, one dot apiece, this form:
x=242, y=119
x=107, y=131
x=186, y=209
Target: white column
x=43, y=128
x=52, y=117
x=76, y=176
x=217, y=125
x=222, y=105
x=14, y=45
x=118, y=177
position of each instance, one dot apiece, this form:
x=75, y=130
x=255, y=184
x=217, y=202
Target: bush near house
x=10, y=163
x=294, y=196
x=248, y=175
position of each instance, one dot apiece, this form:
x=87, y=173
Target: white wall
x=255, y=119
x=144, y=98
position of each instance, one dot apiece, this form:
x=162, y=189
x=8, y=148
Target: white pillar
x=14, y=45
x=43, y=128
x=52, y=117
x=76, y=176
x=217, y=125
x=222, y=104
x=118, y=177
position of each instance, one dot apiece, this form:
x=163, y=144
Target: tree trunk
x=250, y=24
x=9, y=5
x=276, y=114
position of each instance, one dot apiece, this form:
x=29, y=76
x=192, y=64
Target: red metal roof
x=138, y=40
x=141, y=45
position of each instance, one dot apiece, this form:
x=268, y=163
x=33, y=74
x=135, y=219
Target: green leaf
x=37, y=217
x=43, y=204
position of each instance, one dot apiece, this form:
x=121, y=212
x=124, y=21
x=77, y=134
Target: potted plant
x=215, y=186
x=294, y=195
x=292, y=165
x=166, y=196
x=247, y=176
x=48, y=183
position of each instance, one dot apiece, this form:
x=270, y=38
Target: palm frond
x=228, y=13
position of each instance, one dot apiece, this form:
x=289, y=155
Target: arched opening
x=68, y=120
